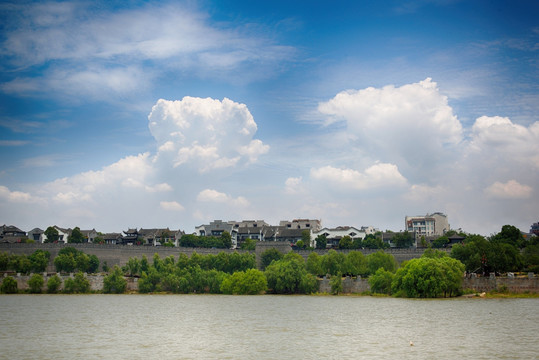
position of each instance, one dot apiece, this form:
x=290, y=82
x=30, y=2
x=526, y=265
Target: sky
x=124, y=114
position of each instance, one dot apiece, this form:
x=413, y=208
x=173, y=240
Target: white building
x=334, y=235
x=435, y=224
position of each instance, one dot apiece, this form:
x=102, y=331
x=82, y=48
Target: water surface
x=265, y=327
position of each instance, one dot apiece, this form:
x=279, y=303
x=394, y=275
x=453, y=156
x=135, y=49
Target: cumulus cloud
x=171, y=206
x=15, y=196
x=376, y=176
x=500, y=136
x=411, y=126
x=509, y=190
x=293, y=185
x=214, y=196
x=205, y=133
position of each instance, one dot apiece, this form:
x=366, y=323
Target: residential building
x=157, y=237
x=217, y=228
x=112, y=238
x=534, y=229
x=37, y=235
x=89, y=235
x=334, y=235
x=11, y=234
x=130, y=237
x=303, y=224
x=63, y=234
x=435, y=224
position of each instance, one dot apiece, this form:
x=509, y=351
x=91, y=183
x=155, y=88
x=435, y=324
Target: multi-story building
x=534, y=229
x=217, y=228
x=303, y=224
x=434, y=224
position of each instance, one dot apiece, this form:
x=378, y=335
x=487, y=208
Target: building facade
x=435, y=224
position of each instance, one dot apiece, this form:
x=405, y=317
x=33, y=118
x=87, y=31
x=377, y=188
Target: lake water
x=265, y=327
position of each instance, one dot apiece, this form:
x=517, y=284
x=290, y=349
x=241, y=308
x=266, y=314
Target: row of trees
x=36, y=262
x=506, y=251
x=79, y=284
x=433, y=275
x=70, y=259
x=220, y=242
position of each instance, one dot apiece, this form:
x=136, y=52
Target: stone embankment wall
x=120, y=254
x=513, y=284
x=350, y=285
x=111, y=254
x=96, y=281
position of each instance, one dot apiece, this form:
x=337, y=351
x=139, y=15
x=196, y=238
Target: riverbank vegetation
x=435, y=274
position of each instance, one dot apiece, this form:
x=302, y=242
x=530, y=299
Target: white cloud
x=15, y=196
x=80, y=42
x=171, y=206
x=205, y=133
x=376, y=176
x=293, y=185
x=214, y=196
x=500, y=136
x=509, y=190
x=411, y=126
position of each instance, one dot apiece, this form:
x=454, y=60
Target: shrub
x=53, y=284
x=36, y=283
x=9, y=286
x=77, y=285
x=115, y=283
x=380, y=282
x=336, y=284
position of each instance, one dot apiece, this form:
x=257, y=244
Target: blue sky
x=154, y=114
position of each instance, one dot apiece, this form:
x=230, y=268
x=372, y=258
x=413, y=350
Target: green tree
x=53, y=284
x=115, y=282
x=248, y=244
x=509, y=235
x=428, y=278
x=99, y=240
x=93, y=264
x=4, y=261
x=36, y=283
x=52, y=235
x=403, y=239
x=9, y=286
x=333, y=263
x=530, y=256
x=226, y=238
x=65, y=263
x=39, y=260
x=268, y=256
x=370, y=242
x=380, y=281
x=472, y=253
x=289, y=276
x=355, y=264
x=149, y=282
x=336, y=284
x=440, y=242
x=321, y=242
x=380, y=259
x=76, y=236
x=250, y=282
x=306, y=238
x=314, y=264
x=77, y=285
x=345, y=242
x=132, y=267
